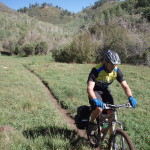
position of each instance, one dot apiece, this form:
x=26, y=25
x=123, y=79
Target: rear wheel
x=119, y=140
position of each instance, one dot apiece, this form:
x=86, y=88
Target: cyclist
x=100, y=77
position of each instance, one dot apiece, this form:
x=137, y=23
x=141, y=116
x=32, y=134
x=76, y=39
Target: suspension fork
x=116, y=122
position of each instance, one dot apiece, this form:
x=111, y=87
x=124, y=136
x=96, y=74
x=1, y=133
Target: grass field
x=26, y=107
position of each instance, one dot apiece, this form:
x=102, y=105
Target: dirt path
x=63, y=111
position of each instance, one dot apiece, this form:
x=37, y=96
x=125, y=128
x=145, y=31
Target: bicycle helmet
x=112, y=57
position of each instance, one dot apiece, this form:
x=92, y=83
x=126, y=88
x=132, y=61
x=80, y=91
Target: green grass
x=26, y=107
x=68, y=83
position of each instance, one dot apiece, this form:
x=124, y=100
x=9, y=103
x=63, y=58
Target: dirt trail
x=63, y=111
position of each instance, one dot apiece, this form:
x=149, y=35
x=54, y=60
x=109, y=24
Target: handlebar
x=110, y=106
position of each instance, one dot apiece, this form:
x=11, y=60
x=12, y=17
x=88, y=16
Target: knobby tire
x=122, y=134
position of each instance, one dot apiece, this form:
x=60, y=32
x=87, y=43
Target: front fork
x=115, y=122
x=114, y=147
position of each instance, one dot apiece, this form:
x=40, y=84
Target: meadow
x=26, y=106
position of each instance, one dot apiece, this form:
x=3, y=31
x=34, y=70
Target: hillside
x=4, y=8
x=122, y=26
x=17, y=30
x=48, y=13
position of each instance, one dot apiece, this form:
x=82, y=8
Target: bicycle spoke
x=120, y=141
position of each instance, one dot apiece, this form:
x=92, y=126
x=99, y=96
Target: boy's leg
x=96, y=111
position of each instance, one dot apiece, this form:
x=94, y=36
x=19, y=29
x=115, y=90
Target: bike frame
x=112, y=119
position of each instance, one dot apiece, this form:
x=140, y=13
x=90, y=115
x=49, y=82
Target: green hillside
x=49, y=14
x=122, y=26
x=17, y=30
x=4, y=8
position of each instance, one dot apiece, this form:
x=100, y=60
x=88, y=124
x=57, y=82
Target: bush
x=143, y=59
x=41, y=48
x=115, y=37
x=146, y=57
x=129, y=6
x=26, y=49
x=81, y=50
x=29, y=49
x=61, y=55
x=9, y=45
x=17, y=50
x=143, y=3
x=146, y=13
x=2, y=34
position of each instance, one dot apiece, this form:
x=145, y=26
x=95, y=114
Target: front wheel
x=119, y=140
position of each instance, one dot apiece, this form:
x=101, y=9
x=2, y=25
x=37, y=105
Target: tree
x=44, y=4
x=29, y=49
x=98, y=3
x=36, y=4
x=146, y=13
x=143, y=3
x=41, y=48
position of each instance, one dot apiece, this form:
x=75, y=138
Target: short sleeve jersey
x=102, y=78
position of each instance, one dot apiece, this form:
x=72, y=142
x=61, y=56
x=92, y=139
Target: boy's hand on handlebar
x=133, y=101
x=98, y=103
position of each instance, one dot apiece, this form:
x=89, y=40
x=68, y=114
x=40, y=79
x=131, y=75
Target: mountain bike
x=119, y=139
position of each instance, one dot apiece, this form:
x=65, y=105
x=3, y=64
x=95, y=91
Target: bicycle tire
x=125, y=141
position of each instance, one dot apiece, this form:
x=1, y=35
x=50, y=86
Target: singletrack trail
x=63, y=111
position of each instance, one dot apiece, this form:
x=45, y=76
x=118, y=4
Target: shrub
x=146, y=13
x=9, y=45
x=129, y=6
x=41, y=48
x=17, y=50
x=140, y=59
x=81, y=50
x=146, y=57
x=2, y=34
x=115, y=37
x=61, y=55
x=143, y=3
x=29, y=49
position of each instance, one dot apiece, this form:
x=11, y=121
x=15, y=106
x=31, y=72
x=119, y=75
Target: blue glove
x=133, y=102
x=98, y=103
